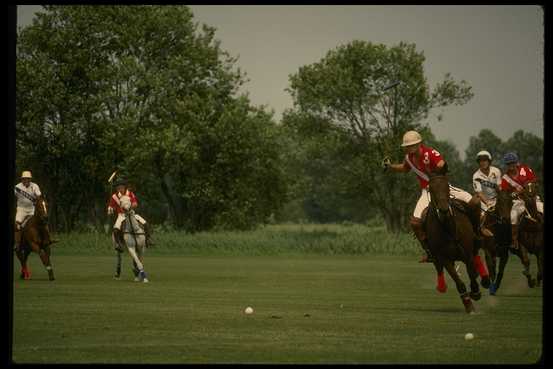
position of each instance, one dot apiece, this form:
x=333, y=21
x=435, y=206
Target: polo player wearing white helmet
x=423, y=160
x=26, y=194
x=486, y=181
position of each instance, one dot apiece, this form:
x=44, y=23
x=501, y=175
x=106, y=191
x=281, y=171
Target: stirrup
x=486, y=232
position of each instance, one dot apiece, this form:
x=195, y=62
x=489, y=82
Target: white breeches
x=424, y=199
x=121, y=218
x=22, y=213
x=519, y=208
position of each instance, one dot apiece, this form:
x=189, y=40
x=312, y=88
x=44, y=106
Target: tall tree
x=373, y=94
x=145, y=90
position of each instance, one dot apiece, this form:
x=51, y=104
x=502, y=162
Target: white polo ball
x=469, y=336
x=248, y=310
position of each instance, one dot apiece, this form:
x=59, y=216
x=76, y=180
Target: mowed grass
x=307, y=309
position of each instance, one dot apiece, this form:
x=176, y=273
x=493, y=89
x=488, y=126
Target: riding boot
x=148, y=234
x=514, y=235
x=418, y=230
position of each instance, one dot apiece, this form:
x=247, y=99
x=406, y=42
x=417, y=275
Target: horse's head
x=503, y=206
x=41, y=209
x=438, y=186
x=125, y=202
x=528, y=195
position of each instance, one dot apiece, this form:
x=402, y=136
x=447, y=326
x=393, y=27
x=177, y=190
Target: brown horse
x=451, y=238
x=498, y=220
x=34, y=238
x=531, y=234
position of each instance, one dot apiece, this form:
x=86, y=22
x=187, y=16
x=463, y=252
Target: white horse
x=135, y=240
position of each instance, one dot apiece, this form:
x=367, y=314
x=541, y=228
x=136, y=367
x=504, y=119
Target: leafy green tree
x=372, y=94
x=144, y=90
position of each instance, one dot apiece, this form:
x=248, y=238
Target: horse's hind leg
x=475, y=293
x=441, y=286
x=135, y=258
x=526, y=262
x=118, y=264
x=503, y=259
x=44, y=254
x=540, y=267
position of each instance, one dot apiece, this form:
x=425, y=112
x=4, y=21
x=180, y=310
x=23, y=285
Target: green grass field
x=308, y=309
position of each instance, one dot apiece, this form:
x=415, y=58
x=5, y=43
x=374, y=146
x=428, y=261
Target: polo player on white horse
x=115, y=206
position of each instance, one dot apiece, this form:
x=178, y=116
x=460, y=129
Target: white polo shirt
x=487, y=184
x=24, y=199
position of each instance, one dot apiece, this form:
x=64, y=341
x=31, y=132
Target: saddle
x=457, y=204
x=25, y=221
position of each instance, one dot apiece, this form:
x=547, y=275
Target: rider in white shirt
x=26, y=194
x=486, y=181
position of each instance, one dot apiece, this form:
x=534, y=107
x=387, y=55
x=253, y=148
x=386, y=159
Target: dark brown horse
x=451, y=238
x=34, y=238
x=531, y=234
x=498, y=220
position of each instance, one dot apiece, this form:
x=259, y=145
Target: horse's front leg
x=471, y=269
x=461, y=288
x=44, y=254
x=23, y=254
x=540, y=267
x=441, y=286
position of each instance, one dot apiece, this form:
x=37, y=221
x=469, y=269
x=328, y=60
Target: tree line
x=148, y=92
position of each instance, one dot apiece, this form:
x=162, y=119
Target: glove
x=110, y=210
x=386, y=162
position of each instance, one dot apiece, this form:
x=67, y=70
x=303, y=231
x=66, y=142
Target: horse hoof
x=136, y=279
x=475, y=296
x=145, y=280
x=531, y=283
x=485, y=282
x=492, y=289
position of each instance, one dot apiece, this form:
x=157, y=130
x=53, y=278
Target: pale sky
x=497, y=49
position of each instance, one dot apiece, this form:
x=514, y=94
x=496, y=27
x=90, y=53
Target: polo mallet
x=118, y=251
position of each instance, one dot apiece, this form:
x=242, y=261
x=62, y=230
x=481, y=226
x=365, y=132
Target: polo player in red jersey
x=115, y=206
x=423, y=160
x=516, y=176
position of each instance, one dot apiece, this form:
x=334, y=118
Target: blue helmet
x=510, y=158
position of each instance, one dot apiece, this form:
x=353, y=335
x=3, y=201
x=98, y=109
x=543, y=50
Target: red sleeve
x=112, y=202
x=505, y=186
x=531, y=177
x=405, y=165
x=134, y=201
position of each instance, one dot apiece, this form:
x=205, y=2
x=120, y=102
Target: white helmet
x=484, y=153
x=26, y=174
x=411, y=138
